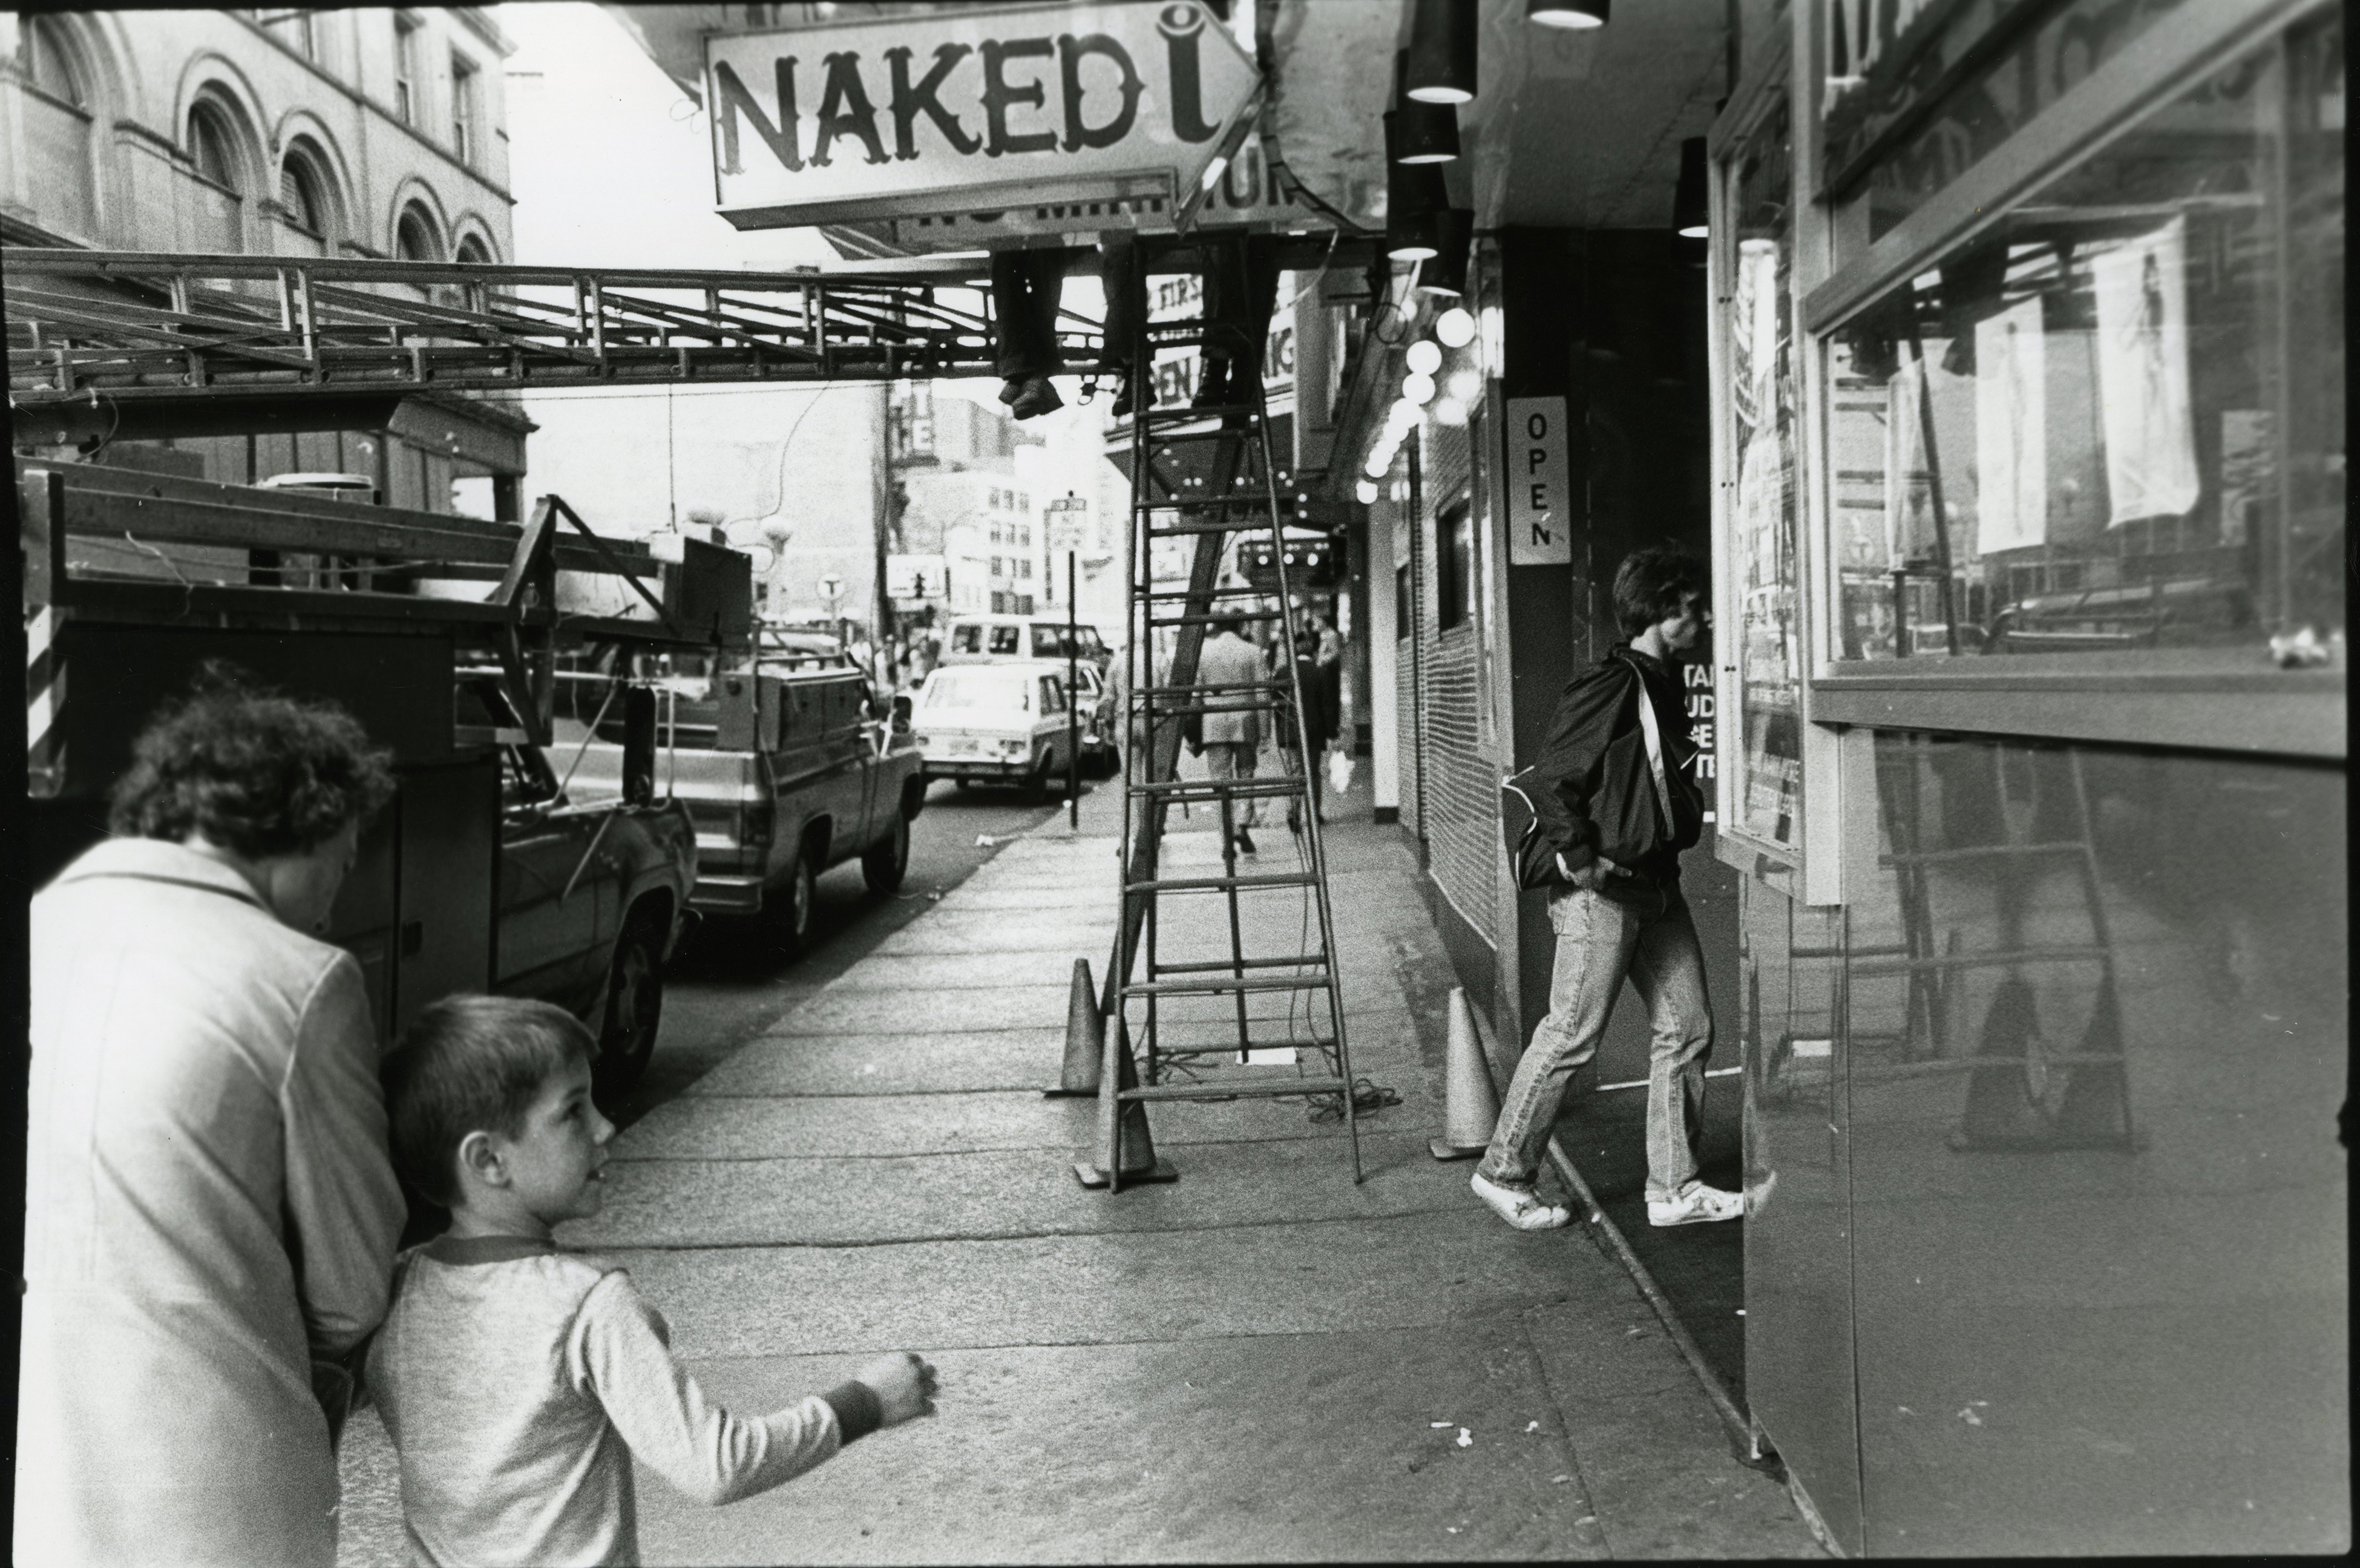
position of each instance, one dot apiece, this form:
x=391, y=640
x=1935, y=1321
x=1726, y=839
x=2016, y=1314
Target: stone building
x=343, y=135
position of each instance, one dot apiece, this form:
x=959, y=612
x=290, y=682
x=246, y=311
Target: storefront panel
x=2097, y=1193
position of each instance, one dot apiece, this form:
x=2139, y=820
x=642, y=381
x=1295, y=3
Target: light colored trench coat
x=1227, y=660
x=208, y=1204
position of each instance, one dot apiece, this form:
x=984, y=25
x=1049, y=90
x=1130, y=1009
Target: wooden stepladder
x=1206, y=475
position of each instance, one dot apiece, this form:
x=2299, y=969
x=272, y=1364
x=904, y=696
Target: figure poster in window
x=2142, y=298
x=2011, y=431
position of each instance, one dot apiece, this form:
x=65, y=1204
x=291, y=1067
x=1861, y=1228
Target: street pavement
x=1261, y=1361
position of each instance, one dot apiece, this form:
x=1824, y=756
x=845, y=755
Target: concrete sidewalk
x=1261, y=1361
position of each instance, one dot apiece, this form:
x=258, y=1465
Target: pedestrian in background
x=1232, y=721
x=210, y=1214
x=518, y=1382
x=1614, y=774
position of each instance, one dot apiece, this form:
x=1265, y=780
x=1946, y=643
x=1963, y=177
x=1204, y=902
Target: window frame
x=2202, y=704
x=466, y=83
x=406, y=105
x=1458, y=573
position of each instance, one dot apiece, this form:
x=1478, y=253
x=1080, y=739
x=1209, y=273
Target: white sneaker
x=1695, y=1204
x=1522, y=1210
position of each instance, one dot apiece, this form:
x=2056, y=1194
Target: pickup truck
x=787, y=766
x=594, y=897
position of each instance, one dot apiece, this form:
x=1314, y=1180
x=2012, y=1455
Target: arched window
x=214, y=149
x=413, y=236
x=473, y=249
x=49, y=62
x=58, y=128
x=298, y=192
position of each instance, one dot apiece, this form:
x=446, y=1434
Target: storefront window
x=1891, y=116
x=2112, y=426
x=1758, y=329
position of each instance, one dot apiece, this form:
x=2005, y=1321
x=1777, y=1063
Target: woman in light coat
x=208, y=1207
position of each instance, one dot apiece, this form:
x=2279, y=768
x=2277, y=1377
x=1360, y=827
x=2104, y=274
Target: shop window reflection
x=2112, y=425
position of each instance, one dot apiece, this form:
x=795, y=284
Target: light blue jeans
x=1649, y=936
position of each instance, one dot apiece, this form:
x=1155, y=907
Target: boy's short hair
x=1652, y=584
x=471, y=1064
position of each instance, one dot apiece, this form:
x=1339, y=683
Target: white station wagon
x=997, y=723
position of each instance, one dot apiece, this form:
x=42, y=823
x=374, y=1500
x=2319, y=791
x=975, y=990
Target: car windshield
x=977, y=687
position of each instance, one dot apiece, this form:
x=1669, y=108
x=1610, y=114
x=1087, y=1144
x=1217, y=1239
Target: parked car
x=790, y=765
x=594, y=896
x=981, y=639
x=1003, y=722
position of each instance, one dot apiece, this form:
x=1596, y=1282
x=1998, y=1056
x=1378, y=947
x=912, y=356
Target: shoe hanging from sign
x=956, y=110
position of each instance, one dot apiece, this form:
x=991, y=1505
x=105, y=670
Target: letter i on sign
x=1540, y=498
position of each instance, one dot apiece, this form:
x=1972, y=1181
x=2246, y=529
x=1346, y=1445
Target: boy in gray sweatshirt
x=518, y=1381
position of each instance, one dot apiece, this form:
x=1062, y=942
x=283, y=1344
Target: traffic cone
x=2000, y=1111
x=1085, y=1039
x=2095, y=1111
x=1123, y=1124
x=1470, y=1106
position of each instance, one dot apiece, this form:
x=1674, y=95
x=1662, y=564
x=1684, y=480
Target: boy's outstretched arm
x=619, y=1352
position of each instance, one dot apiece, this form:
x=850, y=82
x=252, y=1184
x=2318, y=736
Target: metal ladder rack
x=1207, y=485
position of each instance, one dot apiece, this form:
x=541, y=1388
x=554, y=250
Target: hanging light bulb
x=1379, y=461
x=1365, y=492
x=1442, y=52
x=1568, y=13
x=1418, y=388
x=1455, y=327
x=1424, y=358
x=1689, y=218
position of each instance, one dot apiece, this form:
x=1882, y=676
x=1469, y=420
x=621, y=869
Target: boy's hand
x=903, y=1384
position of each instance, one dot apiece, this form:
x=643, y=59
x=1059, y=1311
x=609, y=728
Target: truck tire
x=1036, y=782
x=787, y=908
x=634, y=1004
x=886, y=861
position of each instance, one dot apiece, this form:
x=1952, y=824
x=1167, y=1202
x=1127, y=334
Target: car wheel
x=787, y=909
x=1036, y=782
x=627, y=1034
x=888, y=860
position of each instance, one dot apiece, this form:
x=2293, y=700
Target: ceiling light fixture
x=1417, y=132
x=1689, y=216
x=1454, y=234
x=1442, y=52
x=1414, y=199
x=1568, y=13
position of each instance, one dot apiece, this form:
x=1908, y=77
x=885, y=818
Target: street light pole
x=1073, y=705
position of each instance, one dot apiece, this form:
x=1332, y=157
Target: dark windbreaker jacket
x=1589, y=788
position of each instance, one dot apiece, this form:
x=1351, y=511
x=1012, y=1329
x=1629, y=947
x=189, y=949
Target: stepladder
x=1225, y=967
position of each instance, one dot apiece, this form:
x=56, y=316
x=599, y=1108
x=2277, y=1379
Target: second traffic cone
x=1135, y=1161
x=1470, y=1106
x=1085, y=1039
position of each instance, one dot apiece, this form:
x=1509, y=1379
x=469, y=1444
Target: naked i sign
x=962, y=108
x=1540, y=505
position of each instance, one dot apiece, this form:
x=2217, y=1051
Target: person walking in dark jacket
x=1614, y=804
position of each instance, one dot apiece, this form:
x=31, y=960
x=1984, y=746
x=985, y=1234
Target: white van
x=981, y=639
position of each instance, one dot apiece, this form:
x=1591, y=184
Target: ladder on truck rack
x=1205, y=477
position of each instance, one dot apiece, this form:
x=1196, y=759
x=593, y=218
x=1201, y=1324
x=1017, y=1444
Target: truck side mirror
x=638, y=746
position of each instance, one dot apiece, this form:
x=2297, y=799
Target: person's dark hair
x=471, y=1064
x=255, y=772
x=1230, y=621
x=1651, y=584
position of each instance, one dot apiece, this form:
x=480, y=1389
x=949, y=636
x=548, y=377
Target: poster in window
x=1769, y=632
x=1908, y=477
x=2142, y=297
x=2011, y=431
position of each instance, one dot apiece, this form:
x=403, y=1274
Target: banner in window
x=2142, y=296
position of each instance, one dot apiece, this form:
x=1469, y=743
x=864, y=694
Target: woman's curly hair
x=255, y=771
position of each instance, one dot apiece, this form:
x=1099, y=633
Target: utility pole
x=881, y=483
